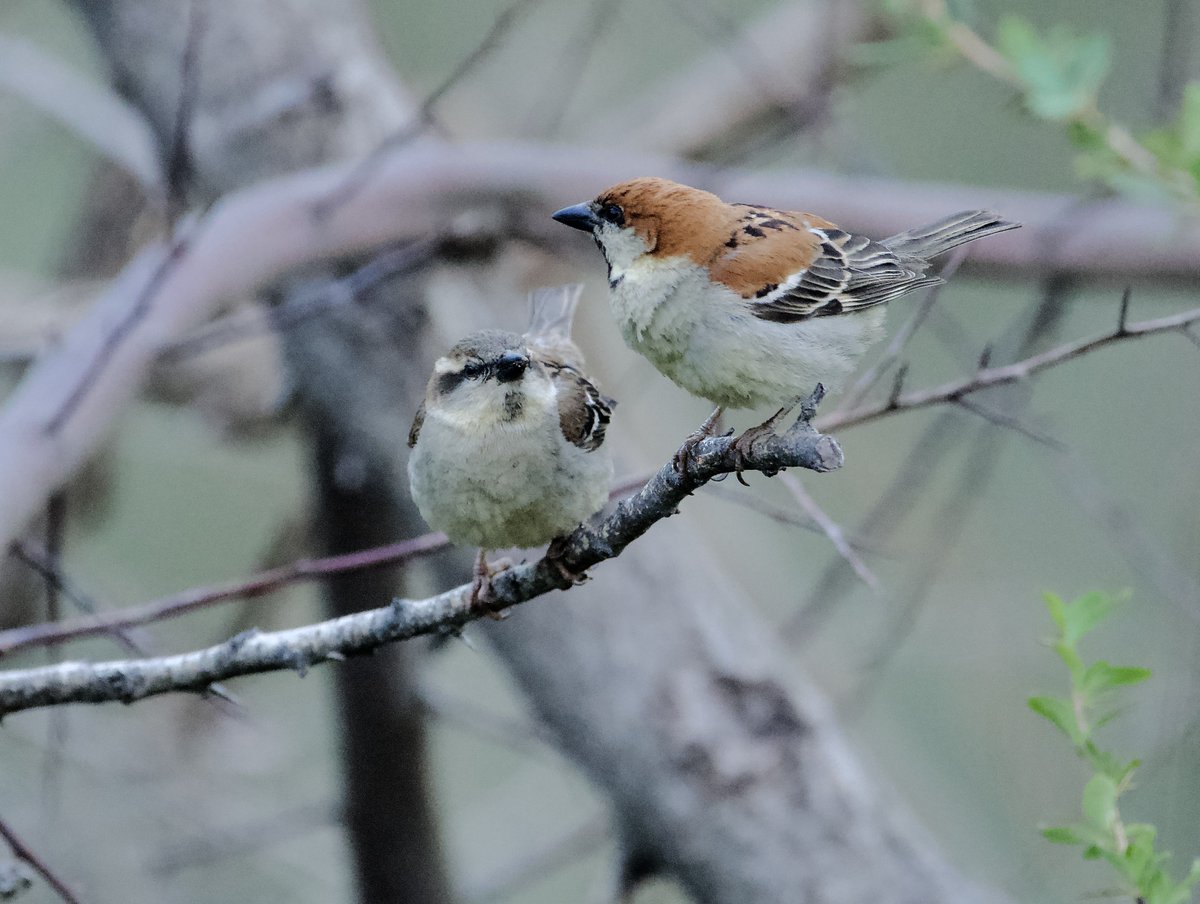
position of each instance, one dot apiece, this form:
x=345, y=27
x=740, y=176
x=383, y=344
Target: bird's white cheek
x=622, y=248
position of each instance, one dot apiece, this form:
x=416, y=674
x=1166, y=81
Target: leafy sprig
x=1058, y=75
x=1102, y=833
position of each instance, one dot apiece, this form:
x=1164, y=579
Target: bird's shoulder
x=583, y=411
x=414, y=432
x=761, y=248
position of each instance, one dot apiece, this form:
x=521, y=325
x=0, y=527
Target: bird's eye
x=612, y=213
x=472, y=370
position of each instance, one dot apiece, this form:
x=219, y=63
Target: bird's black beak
x=511, y=366
x=580, y=216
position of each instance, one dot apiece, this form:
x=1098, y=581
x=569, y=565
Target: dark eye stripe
x=447, y=383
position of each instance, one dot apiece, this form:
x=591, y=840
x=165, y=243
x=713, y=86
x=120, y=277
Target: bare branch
x=254, y=235
x=178, y=163
x=1009, y=373
x=26, y=854
x=264, y=582
x=831, y=529
x=253, y=652
x=564, y=847
x=366, y=168
x=110, y=124
x=713, y=97
x=866, y=382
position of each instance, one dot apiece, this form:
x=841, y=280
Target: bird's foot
x=481, y=585
x=743, y=445
x=554, y=555
x=710, y=427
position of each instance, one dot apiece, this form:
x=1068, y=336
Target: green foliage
x=1059, y=75
x=1061, y=72
x=1102, y=834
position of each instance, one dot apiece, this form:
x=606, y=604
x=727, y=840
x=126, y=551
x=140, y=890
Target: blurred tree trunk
x=723, y=769
x=306, y=52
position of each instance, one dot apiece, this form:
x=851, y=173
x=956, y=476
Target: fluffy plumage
x=508, y=446
x=747, y=305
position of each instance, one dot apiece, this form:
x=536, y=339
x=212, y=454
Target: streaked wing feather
x=414, y=432
x=849, y=274
x=583, y=411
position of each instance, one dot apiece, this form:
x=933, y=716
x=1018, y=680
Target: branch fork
x=298, y=649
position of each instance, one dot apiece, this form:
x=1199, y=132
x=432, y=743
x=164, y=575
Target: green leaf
x=1100, y=677
x=1063, y=834
x=1060, y=712
x=1055, y=605
x=1061, y=73
x=1189, y=124
x=1084, y=614
x=1100, y=802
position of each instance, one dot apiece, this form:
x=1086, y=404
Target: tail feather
x=551, y=310
x=929, y=241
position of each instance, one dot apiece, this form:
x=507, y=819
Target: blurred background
x=964, y=522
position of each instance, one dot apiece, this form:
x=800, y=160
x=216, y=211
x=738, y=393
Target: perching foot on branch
x=554, y=555
x=742, y=447
x=710, y=427
x=481, y=585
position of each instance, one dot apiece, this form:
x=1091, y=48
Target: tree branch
x=116, y=622
x=253, y=236
x=26, y=854
x=299, y=648
x=954, y=393
x=987, y=377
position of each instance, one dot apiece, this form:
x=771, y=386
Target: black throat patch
x=514, y=404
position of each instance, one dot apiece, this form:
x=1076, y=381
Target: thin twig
x=1003, y=419
x=246, y=839
x=361, y=173
x=199, y=597
x=831, y=529
x=52, y=573
x=118, y=622
x=565, y=846
x=178, y=163
x=407, y=259
x=254, y=652
x=986, y=378
x=113, y=339
x=895, y=349
x=25, y=853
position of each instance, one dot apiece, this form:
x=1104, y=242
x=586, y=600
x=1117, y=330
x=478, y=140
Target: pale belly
x=727, y=355
x=515, y=488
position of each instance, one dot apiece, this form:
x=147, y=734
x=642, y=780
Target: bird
x=745, y=305
x=508, y=445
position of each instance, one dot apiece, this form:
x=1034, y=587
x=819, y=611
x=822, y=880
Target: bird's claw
x=481, y=586
x=683, y=457
x=743, y=446
x=554, y=555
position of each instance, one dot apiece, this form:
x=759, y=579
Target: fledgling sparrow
x=746, y=305
x=508, y=445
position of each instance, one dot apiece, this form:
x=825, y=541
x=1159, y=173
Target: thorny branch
x=299, y=648
x=194, y=598
x=955, y=393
